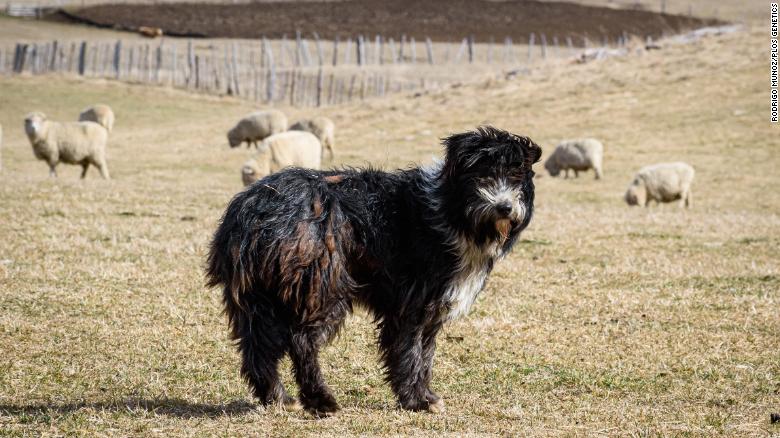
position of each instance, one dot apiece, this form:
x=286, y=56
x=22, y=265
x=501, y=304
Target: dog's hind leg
x=263, y=341
x=304, y=352
x=407, y=350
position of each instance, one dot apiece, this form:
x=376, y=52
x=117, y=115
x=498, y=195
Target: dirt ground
x=441, y=20
x=605, y=320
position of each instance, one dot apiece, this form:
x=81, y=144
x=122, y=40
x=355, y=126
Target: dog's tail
x=289, y=241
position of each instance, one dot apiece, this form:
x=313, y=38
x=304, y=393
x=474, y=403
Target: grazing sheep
x=664, y=182
x=582, y=154
x=81, y=143
x=291, y=148
x=100, y=114
x=257, y=126
x=322, y=127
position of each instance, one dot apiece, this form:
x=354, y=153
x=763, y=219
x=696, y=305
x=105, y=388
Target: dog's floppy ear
x=533, y=151
x=456, y=146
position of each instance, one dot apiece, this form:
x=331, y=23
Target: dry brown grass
x=604, y=320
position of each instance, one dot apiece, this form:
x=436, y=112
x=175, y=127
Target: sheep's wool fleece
x=292, y=148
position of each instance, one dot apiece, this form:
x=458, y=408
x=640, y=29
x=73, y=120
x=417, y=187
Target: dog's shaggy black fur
x=297, y=249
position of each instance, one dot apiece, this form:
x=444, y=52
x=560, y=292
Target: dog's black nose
x=504, y=208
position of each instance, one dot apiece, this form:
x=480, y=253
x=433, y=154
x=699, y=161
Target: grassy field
x=604, y=320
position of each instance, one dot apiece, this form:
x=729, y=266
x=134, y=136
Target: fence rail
x=301, y=72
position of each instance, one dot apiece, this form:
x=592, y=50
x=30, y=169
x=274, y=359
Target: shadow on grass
x=173, y=407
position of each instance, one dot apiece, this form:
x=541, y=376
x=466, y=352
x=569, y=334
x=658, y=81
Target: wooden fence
x=301, y=72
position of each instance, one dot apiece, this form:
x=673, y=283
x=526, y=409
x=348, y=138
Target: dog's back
x=289, y=238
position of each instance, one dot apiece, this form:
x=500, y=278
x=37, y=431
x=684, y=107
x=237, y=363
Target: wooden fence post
x=158, y=63
x=531, y=39
x=393, y=58
x=335, y=51
x=351, y=87
x=544, y=46
x=174, y=63
x=348, y=51
x=82, y=58
x=148, y=62
x=130, y=60
x=71, y=56
x=305, y=52
x=461, y=50
x=234, y=68
x=320, y=52
x=298, y=48
x=401, y=48
x=429, y=49
x=197, y=72
x=292, y=87
x=53, y=56
x=413, y=48
x=17, y=58
x=360, y=51
x=282, y=50
x=471, y=48
x=34, y=61
x=107, y=60
x=490, y=51
x=117, y=59
x=92, y=53
x=191, y=63
x=319, y=87
x=378, y=50
x=271, y=82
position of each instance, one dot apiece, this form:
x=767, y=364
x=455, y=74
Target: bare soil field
x=605, y=320
x=441, y=20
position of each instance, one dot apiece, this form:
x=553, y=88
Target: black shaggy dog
x=296, y=250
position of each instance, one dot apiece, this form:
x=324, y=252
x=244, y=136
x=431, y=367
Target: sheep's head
x=552, y=167
x=234, y=137
x=636, y=194
x=252, y=171
x=300, y=125
x=33, y=123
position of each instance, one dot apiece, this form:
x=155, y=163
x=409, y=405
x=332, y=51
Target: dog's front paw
x=431, y=404
x=291, y=404
x=320, y=405
x=436, y=407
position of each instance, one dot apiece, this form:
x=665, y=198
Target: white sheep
x=257, y=126
x=100, y=114
x=578, y=155
x=81, y=143
x=291, y=148
x=322, y=127
x=664, y=182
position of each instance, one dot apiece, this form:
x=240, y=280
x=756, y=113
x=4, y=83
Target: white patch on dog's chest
x=469, y=279
x=463, y=291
